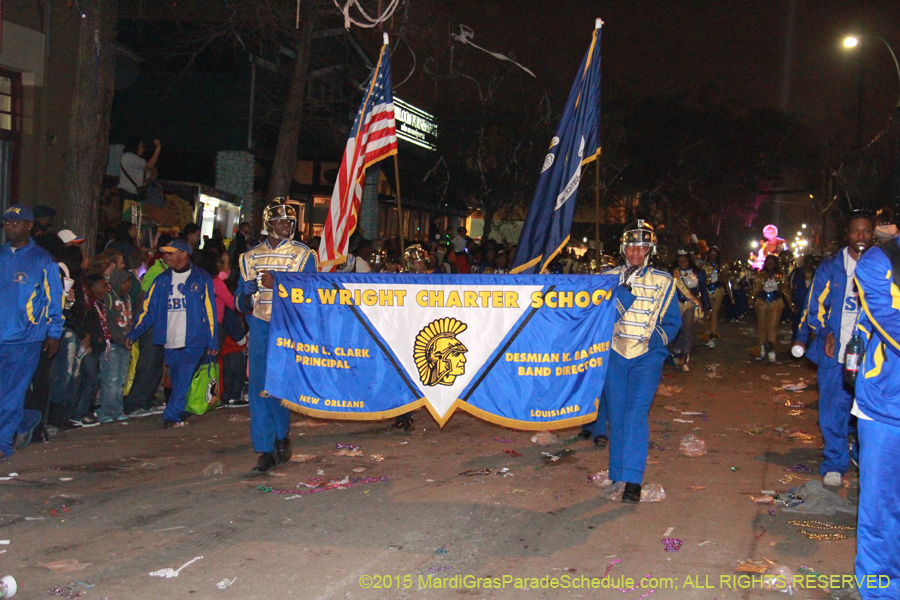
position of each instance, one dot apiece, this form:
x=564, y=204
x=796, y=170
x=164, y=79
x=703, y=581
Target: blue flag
x=576, y=143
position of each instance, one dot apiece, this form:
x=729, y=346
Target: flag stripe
x=374, y=138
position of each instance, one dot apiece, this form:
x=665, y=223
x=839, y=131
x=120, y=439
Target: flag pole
x=597, y=25
x=597, y=209
x=397, y=183
x=399, y=206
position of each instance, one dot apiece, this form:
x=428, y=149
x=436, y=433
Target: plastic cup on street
x=8, y=587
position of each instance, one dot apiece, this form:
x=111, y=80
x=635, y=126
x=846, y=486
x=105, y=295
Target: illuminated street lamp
x=851, y=42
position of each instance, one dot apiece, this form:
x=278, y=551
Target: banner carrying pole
x=399, y=206
x=397, y=187
x=597, y=210
x=598, y=23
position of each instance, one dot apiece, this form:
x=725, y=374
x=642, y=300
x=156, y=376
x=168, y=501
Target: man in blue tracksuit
x=31, y=319
x=831, y=313
x=269, y=421
x=877, y=408
x=180, y=306
x=649, y=318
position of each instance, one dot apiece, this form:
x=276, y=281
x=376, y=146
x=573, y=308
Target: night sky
x=741, y=53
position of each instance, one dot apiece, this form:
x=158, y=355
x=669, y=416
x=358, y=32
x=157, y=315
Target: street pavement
x=120, y=501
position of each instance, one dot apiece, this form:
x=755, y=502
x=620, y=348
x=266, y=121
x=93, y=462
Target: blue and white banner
x=525, y=351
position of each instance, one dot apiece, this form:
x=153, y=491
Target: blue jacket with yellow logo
x=200, y=303
x=824, y=306
x=31, y=295
x=878, y=381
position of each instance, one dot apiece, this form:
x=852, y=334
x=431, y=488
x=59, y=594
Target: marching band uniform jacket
x=648, y=317
x=878, y=409
x=202, y=329
x=823, y=307
x=31, y=290
x=287, y=257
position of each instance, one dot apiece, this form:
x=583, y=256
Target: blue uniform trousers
x=629, y=389
x=599, y=427
x=18, y=363
x=835, y=402
x=269, y=420
x=878, y=528
x=182, y=363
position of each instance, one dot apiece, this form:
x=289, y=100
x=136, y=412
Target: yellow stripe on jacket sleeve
x=895, y=292
x=47, y=295
x=210, y=314
x=821, y=316
x=146, y=305
x=29, y=307
x=878, y=356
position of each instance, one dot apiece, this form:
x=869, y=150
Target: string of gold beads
x=822, y=537
x=819, y=525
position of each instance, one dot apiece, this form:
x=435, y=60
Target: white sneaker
x=711, y=343
x=771, y=357
x=762, y=352
x=832, y=478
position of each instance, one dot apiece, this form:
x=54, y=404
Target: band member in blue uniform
x=31, y=322
x=877, y=407
x=693, y=300
x=269, y=421
x=832, y=311
x=648, y=319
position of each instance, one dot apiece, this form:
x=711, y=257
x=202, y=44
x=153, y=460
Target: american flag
x=373, y=137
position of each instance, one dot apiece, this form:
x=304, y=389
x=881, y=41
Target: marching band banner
x=524, y=351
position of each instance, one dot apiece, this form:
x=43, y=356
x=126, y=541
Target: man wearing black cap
x=179, y=296
x=31, y=321
x=43, y=220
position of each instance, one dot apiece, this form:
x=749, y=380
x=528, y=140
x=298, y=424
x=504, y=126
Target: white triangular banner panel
x=485, y=328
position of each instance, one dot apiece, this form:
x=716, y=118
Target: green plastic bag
x=132, y=368
x=204, y=392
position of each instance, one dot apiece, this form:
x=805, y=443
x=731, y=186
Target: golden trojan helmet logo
x=439, y=356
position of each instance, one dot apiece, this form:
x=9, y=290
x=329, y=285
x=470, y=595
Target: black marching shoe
x=632, y=493
x=265, y=463
x=584, y=434
x=283, y=451
x=601, y=441
x=404, y=421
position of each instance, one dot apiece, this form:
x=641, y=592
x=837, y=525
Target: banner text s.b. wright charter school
x=524, y=351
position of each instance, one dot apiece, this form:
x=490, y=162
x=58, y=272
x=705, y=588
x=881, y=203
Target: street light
x=852, y=42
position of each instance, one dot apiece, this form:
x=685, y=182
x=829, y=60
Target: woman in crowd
x=770, y=296
x=690, y=281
